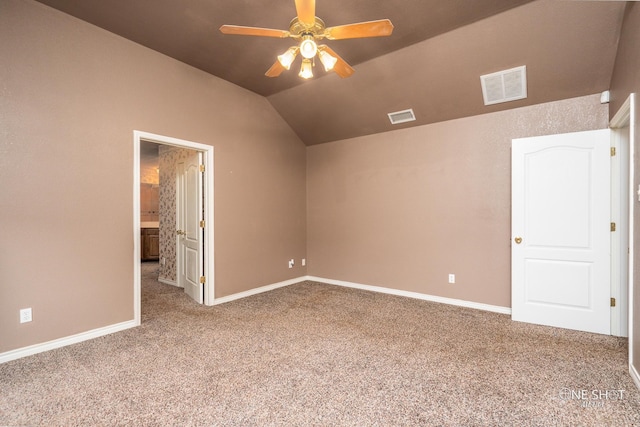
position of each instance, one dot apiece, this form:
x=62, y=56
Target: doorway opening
x=199, y=267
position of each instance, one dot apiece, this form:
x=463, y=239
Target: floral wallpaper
x=169, y=157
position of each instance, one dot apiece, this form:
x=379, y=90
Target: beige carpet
x=315, y=354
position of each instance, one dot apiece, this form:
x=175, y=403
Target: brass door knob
x=180, y=232
x=518, y=240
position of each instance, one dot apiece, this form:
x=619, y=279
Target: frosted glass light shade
x=286, y=59
x=306, y=70
x=308, y=47
x=329, y=61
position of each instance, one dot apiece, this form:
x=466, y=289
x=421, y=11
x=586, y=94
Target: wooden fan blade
x=253, y=31
x=341, y=67
x=380, y=28
x=275, y=70
x=306, y=10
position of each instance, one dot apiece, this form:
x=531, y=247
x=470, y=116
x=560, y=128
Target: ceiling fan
x=307, y=28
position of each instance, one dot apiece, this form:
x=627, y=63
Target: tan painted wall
x=626, y=80
x=71, y=96
x=403, y=209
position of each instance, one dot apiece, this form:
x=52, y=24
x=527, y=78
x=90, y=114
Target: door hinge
x=613, y=226
x=202, y=223
x=203, y=279
x=613, y=302
x=613, y=151
x=202, y=168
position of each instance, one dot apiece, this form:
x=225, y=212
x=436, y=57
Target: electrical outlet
x=25, y=315
x=291, y=263
x=452, y=278
x=304, y=262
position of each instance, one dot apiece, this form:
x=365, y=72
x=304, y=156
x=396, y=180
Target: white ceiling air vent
x=401, y=116
x=504, y=86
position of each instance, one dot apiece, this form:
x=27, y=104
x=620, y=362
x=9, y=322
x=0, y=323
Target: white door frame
x=625, y=117
x=621, y=203
x=209, y=264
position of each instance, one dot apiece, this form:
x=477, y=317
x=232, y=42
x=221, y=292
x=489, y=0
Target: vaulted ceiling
x=431, y=63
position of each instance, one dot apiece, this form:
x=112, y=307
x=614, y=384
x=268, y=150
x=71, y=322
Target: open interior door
x=190, y=233
x=561, y=230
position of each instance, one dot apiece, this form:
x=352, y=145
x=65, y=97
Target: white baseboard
x=84, y=336
x=416, y=295
x=259, y=290
x=63, y=342
x=634, y=375
x=168, y=282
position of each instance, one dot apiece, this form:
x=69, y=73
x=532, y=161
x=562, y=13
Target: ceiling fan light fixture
x=305, y=28
x=328, y=60
x=306, y=70
x=287, y=58
x=308, y=47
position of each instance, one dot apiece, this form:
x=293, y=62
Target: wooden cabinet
x=150, y=243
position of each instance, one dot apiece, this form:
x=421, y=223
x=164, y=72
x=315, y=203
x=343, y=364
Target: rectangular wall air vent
x=402, y=116
x=504, y=86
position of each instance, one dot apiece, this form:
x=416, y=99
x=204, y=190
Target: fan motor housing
x=298, y=29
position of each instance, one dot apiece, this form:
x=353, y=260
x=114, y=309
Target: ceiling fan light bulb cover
x=306, y=70
x=308, y=47
x=328, y=60
x=287, y=58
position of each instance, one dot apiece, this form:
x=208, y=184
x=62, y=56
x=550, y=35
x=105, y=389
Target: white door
x=561, y=230
x=189, y=232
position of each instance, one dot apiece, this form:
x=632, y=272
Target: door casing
x=620, y=248
x=623, y=122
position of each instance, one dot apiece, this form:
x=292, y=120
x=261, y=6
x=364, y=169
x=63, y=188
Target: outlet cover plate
x=25, y=315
